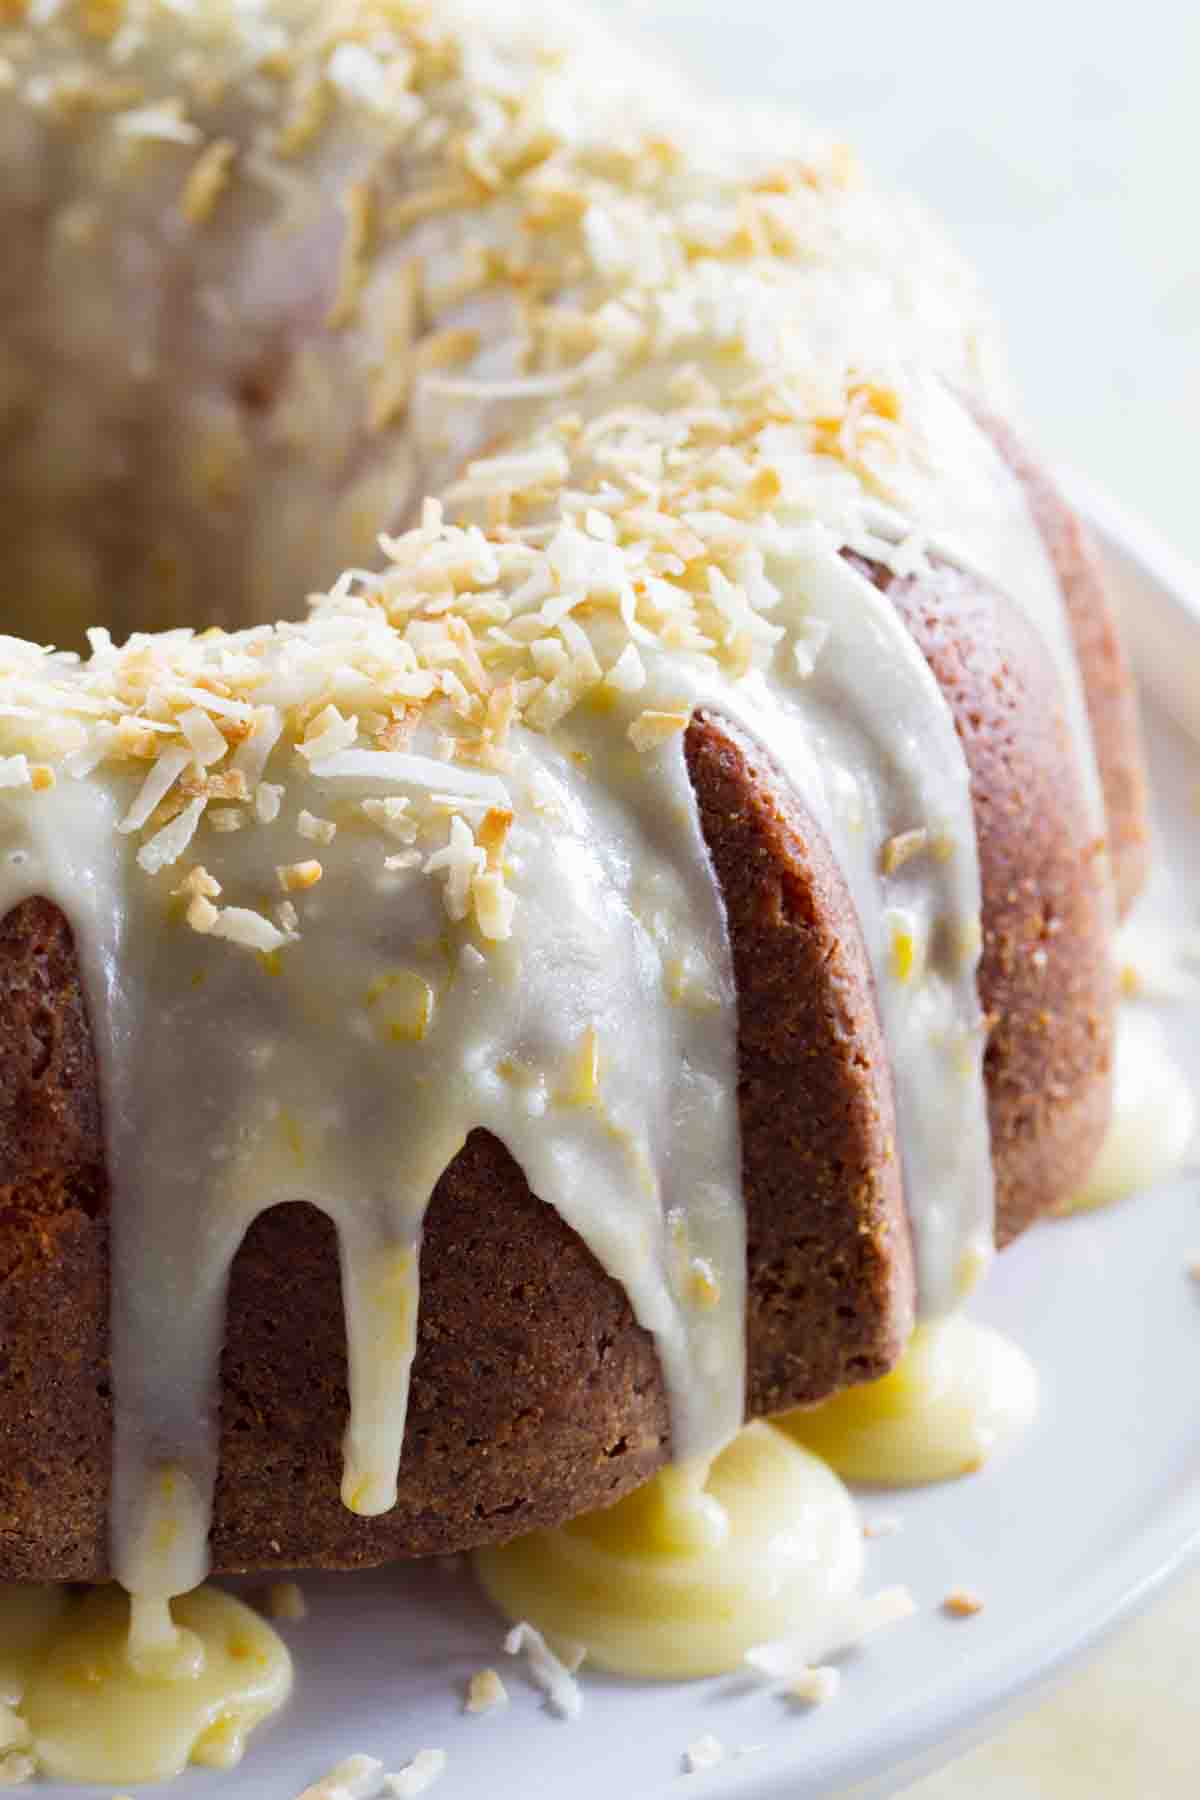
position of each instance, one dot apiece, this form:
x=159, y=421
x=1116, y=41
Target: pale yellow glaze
x=1153, y=1120
x=95, y=1713
x=659, y=1586
x=959, y=1391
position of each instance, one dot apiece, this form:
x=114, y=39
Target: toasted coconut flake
x=202, y=915
x=158, y=783
x=704, y=1753
x=293, y=877
x=14, y=1731
x=253, y=753
x=420, y=1774
x=400, y=767
x=494, y=904
x=553, y=1676
x=268, y=798
x=628, y=673
x=485, y=1691
x=462, y=861
x=239, y=925
x=206, y=742
x=901, y=848
x=166, y=120
x=318, y=831
x=807, y=645
x=197, y=881
x=169, y=844
x=356, y=1778
x=328, y=733
x=357, y=245
x=209, y=177
x=285, y=1600
x=651, y=728
x=521, y=471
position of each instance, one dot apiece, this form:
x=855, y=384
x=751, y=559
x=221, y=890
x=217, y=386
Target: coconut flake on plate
x=554, y=1676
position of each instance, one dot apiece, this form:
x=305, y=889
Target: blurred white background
x=1061, y=143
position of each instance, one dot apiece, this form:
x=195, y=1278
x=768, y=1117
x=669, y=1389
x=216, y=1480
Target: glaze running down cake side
x=646, y=932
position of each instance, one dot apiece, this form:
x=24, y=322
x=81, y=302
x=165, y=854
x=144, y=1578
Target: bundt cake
x=665, y=884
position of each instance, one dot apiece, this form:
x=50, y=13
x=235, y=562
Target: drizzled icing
x=345, y=891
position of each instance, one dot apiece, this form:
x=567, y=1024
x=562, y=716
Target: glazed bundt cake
x=665, y=884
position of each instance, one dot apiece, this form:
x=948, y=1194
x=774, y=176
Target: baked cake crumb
x=962, y=1603
x=705, y=1753
x=485, y=1690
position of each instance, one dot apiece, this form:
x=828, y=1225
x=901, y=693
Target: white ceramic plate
x=1078, y=1524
